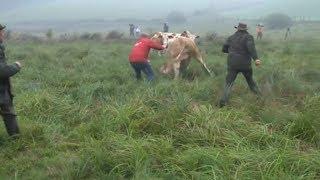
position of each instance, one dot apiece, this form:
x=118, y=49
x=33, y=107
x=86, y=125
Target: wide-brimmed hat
x=241, y=26
x=2, y=27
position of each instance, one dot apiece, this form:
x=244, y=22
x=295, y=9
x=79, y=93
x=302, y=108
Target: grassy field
x=83, y=116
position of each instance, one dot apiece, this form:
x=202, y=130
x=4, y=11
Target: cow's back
x=184, y=44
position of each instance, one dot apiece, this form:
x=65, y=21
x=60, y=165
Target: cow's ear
x=197, y=36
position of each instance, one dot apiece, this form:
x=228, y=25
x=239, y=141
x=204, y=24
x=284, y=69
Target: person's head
x=2, y=32
x=242, y=27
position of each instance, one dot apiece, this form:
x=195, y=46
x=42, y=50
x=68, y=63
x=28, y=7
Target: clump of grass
x=307, y=125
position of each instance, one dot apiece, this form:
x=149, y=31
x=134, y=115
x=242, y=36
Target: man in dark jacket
x=6, y=97
x=241, y=51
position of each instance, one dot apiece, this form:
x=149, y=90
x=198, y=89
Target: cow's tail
x=201, y=61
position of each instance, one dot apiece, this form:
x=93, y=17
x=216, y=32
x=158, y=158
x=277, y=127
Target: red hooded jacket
x=140, y=51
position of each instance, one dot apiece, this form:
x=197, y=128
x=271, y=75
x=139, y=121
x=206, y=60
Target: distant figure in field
x=259, y=31
x=165, y=27
x=241, y=51
x=139, y=56
x=6, y=98
x=137, y=31
x=288, y=33
x=131, y=30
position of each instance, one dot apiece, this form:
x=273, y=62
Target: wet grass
x=83, y=116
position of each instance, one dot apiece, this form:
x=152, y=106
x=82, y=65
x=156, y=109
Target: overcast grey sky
x=32, y=10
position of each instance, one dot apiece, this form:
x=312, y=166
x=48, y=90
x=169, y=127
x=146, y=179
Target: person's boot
x=11, y=124
x=225, y=98
x=222, y=103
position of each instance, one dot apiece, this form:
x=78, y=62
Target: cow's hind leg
x=184, y=65
x=176, y=68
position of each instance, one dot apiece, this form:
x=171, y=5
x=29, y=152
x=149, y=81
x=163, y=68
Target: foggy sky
x=33, y=10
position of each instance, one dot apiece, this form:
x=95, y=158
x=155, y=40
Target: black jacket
x=241, y=50
x=6, y=71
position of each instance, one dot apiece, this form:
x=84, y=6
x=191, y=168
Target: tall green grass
x=83, y=116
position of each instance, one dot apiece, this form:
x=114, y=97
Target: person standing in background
x=165, y=27
x=288, y=33
x=137, y=31
x=259, y=31
x=131, y=30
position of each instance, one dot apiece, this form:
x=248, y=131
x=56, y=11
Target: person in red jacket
x=139, y=56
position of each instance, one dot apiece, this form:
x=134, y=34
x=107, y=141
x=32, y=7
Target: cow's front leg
x=176, y=68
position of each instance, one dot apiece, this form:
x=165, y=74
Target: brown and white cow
x=179, y=52
x=168, y=38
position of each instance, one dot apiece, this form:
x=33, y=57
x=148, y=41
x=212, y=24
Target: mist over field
x=83, y=114
x=20, y=14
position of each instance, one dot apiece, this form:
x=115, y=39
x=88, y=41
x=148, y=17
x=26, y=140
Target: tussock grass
x=83, y=116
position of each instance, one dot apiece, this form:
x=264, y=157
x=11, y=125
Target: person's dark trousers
x=10, y=119
x=231, y=77
x=145, y=68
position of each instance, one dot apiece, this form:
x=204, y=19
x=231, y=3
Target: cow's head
x=164, y=36
x=158, y=37
x=187, y=34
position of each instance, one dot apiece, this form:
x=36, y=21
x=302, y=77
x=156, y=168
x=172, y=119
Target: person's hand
x=19, y=64
x=258, y=62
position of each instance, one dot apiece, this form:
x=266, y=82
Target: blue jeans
x=145, y=68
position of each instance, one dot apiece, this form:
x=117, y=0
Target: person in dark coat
x=288, y=33
x=241, y=51
x=6, y=98
x=131, y=30
x=165, y=27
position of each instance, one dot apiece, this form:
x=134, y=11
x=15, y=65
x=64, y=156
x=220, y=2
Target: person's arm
x=226, y=45
x=155, y=45
x=252, y=48
x=9, y=70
